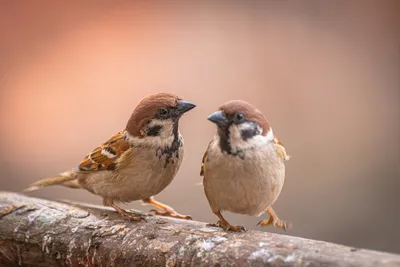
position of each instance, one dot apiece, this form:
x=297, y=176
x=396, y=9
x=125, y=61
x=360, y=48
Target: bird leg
x=166, y=210
x=129, y=216
x=224, y=224
x=274, y=220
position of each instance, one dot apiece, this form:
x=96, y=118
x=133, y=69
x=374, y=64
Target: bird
x=243, y=167
x=137, y=162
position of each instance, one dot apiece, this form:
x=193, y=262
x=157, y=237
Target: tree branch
x=36, y=232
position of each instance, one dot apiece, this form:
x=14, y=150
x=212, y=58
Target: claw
x=165, y=210
x=224, y=224
x=130, y=216
x=227, y=227
x=171, y=213
x=275, y=222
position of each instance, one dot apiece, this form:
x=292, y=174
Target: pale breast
x=243, y=185
x=149, y=172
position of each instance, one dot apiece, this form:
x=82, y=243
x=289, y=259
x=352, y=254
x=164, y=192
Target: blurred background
x=325, y=73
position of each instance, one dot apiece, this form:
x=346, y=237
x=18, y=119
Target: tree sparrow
x=135, y=163
x=243, y=166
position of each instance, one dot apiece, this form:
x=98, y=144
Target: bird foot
x=171, y=213
x=132, y=216
x=227, y=227
x=275, y=222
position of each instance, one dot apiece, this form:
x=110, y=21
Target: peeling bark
x=37, y=232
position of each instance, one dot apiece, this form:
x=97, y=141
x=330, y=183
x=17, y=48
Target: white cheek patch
x=164, y=140
x=236, y=141
x=245, y=126
x=167, y=127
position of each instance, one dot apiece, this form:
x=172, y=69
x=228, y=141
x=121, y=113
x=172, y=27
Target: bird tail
x=67, y=179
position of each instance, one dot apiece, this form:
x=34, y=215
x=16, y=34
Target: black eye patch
x=249, y=132
x=154, y=131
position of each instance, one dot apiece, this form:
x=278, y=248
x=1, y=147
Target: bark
x=37, y=232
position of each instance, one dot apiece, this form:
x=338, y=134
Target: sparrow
x=243, y=167
x=136, y=163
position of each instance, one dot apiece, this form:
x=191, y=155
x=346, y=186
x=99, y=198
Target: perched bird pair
x=243, y=166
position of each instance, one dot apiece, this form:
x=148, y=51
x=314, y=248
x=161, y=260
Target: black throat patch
x=171, y=153
x=224, y=140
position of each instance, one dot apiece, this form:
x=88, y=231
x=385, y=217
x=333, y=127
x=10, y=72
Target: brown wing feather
x=280, y=149
x=105, y=156
x=203, y=161
x=203, y=164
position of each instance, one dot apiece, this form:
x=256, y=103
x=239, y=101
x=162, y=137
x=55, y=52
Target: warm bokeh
x=325, y=73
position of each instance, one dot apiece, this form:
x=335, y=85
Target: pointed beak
x=184, y=106
x=218, y=118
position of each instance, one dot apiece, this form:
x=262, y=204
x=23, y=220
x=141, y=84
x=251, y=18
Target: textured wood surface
x=37, y=232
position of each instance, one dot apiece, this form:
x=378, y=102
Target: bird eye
x=163, y=111
x=239, y=117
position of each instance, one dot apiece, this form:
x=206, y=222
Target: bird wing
x=106, y=155
x=203, y=161
x=280, y=149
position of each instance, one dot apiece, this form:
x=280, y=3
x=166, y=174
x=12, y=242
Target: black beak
x=218, y=118
x=184, y=106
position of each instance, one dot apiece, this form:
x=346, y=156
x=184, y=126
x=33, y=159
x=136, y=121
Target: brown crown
x=147, y=109
x=250, y=112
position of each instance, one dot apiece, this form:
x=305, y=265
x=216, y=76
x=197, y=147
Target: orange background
x=325, y=73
